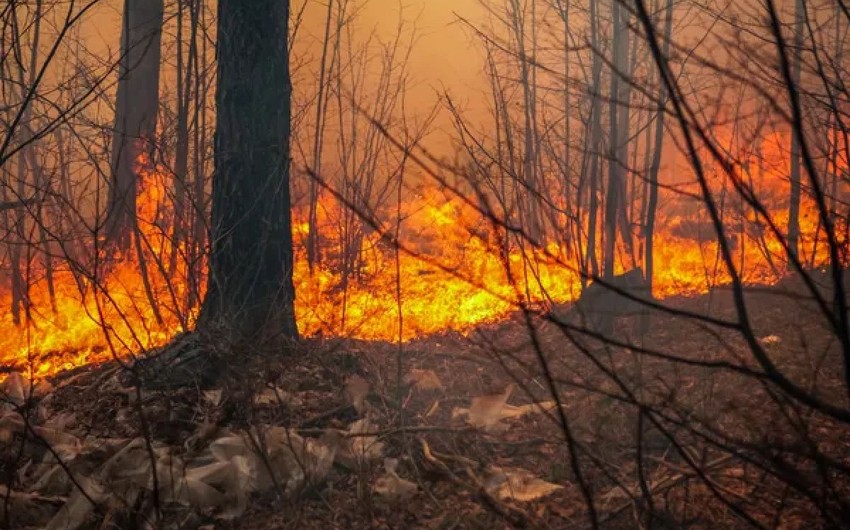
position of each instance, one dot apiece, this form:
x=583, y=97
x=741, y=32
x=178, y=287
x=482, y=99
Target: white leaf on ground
x=27, y=510
x=65, y=444
x=391, y=486
x=356, y=389
x=254, y=462
x=423, y=379
x=516, y=484
x=55, y=481
x=487, y=412
x=130, y=465
x=364, y=447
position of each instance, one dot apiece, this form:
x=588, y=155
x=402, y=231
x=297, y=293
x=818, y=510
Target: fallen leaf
x=510, y=411
x=391, y=486
x=213, y=397
x=15, y=389
x=485, y=412
x=76, y=511
x=517, y=484
x=356, y=389
x=276, y=397
x=423, y=379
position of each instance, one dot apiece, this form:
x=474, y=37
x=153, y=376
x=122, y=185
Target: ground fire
x=432, y=264
x=453, y=274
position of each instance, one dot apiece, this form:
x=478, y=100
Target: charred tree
x=136, y=106
x=251, y=293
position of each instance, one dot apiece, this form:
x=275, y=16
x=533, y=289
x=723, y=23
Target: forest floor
x=471, y=438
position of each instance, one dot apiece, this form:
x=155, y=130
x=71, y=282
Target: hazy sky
x=445, y=56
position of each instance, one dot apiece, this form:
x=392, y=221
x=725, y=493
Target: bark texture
x=251, y=292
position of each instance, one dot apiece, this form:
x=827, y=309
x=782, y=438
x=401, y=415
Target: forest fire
x=452, y=273
x=427, y=264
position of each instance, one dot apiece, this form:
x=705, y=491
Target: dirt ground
x=682, y=412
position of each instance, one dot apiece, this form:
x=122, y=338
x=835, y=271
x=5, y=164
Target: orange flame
x=459, y=277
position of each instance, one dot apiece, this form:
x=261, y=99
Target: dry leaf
x=27, y=510
x=485, y=412
x=10, y=424
x=227, y=447
x=510, y=411
x=390, y=485
x=424, y=379
x=76, y=511
x=15, y=389
x=770, y=339
x=213, y=397
x=517, y=484
x=356, y=389
x=365, y=447
x=355, y=448
x=276, y=397
x=435, y=406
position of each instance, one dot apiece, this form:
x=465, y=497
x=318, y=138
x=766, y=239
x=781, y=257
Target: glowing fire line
x=366, y=305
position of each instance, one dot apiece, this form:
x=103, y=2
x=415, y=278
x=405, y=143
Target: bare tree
x=137, y=103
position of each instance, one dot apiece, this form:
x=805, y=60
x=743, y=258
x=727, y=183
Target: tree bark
x=251, y=293
x=136, y=105
x=652, y=207
x=794, y=199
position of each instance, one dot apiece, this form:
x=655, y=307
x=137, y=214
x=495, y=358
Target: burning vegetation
x=251, y=267
x=454, y=267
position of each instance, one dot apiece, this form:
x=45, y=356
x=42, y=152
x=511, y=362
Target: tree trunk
x=617, y=159
x=251, y=293
x=591, y=264
x=136, y=106
x=794, y=203
x=652, y=206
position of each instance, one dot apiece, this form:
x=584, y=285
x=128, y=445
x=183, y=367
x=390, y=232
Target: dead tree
x=136, y=106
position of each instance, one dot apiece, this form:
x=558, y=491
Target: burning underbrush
x=456, y=266
x=675, y=428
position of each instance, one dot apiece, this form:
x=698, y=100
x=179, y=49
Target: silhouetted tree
x=250, y=291
x=136, y=105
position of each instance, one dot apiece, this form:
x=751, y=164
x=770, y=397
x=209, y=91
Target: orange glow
x=459, y=280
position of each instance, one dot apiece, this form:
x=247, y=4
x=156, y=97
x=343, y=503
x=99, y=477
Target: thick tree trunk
x=136, y=106
x=251, y=293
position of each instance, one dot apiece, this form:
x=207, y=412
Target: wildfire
x=460, y=273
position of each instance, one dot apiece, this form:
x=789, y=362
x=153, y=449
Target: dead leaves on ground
x=489, y=412
x=71, y=479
